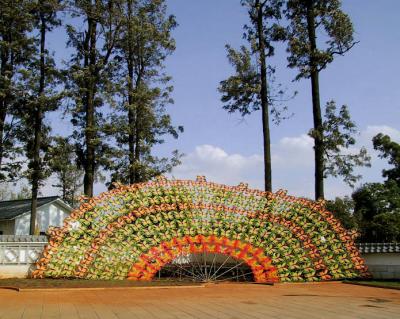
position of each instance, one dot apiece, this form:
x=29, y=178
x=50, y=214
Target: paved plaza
x=225, y=301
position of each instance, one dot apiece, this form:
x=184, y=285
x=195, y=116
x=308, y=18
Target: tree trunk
x=318, y=129
x=131, y=136
x=64, y=186
x=36, y=167
x=90, y=130
x=3, y=108
x=3, y=113
x=6, y=71
x=138, y=118
x=264, y=102
x=131, y=113
x=137, y=141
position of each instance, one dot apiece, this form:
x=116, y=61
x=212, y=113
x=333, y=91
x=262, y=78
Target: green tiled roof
x=12, y=208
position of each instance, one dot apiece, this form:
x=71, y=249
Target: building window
x=1, y=232
x=42, y=233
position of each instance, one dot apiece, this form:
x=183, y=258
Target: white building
x=15, y=215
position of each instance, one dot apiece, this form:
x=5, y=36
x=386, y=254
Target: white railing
x=21, y=250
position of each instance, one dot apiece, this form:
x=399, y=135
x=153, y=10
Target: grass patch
x=82, y=283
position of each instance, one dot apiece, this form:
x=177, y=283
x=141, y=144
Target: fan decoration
x=149, y=264
x=131, y=232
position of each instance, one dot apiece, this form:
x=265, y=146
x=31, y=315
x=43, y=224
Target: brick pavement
x=224, y=301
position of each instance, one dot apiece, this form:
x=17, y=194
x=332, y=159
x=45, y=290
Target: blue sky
x=227, y=149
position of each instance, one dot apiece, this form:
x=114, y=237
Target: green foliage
x=386, y=227
x=63, y=166
x=338, y=139
x=16, y=47
x=377, y=205
x=377, y=209
x=99, y=92
x=389, y=150
x=140, y=120
x=342, y=209
x=270, y=12
x=241, y=92
x=330, y=21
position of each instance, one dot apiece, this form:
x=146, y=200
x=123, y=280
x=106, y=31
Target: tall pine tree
x=16, y=48
x=248, y=90
x=141, y=120
x=40, y=79
x=89, y=73
x=307, y=18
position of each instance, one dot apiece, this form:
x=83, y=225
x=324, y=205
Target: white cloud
x=292, y=158
x=219, y=166
x=372, y=130
x=302, y=142
x=292, y=165
x=293, y=152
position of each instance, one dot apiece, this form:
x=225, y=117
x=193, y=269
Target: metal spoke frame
x=205, y=267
